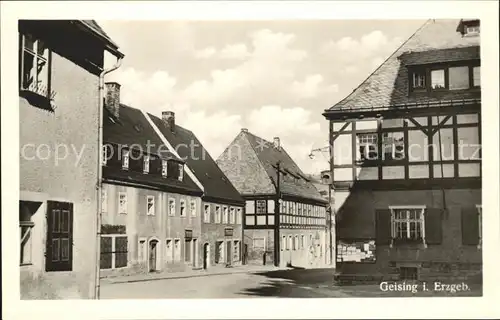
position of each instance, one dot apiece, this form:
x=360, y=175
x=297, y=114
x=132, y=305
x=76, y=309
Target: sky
x=274, y=78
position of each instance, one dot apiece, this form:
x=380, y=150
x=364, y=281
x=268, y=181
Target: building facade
x=221, y=207
x=59, y=112
x=151, y=205
x=406, y=150
x=285, y=219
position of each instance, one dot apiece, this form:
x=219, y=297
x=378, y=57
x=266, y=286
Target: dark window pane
x=105, y=262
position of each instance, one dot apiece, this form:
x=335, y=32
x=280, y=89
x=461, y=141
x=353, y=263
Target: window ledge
x=37, y=100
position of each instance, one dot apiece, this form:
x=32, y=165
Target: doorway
x=206, y=256
x=153, y=244
x=228, y=253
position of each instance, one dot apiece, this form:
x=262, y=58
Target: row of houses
x=136, y=192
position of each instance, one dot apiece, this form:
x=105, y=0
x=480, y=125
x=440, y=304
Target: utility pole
x=277, y=208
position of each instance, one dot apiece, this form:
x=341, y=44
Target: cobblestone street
x=316, y=283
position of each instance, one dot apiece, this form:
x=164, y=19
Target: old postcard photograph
x=183, y=155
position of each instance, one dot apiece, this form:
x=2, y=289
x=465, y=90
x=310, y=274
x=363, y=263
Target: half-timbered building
x=285, y=218
x=406, y=162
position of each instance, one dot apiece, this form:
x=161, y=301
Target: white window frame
x=218, y=214
x=192, y=208
x=206, y=213
x=122, y=209
x=143, y=250
x=472, y=30
x=171, y=207
x=421, y=220
x=104, y=159
x=225, y=214
x=181, y=172
x=232, y=215
x=169, y=253
x=444, y=79
x=239, y=216
x=26, y=240
x=125, y=160
x=480, y=221
x=177, y=254
x=104, y=199
x=418, y=80
x=146, y=164
x=113, y=249
x=40, y=87
x=181, y=206
x=150, y=199
x=164, y=168
x=474, y=84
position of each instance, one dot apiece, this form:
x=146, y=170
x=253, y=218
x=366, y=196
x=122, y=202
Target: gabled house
x=222, y=206
x=406, y=150
x=151, y=204
x=285, y=218
x=60, y=62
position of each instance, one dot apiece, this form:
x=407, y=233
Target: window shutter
x=470, y=226
x=433, y=225
x=383, y=226
x=59, y=245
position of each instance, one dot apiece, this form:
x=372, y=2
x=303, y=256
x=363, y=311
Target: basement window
x=408, y=273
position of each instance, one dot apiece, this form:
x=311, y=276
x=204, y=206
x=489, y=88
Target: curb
x=168, y=277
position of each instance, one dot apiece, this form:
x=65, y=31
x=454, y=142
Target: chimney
x=168, y=118
x=244, y=130
x=276, y=143
x=112, y=98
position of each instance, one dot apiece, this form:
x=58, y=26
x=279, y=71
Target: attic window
x=419, y=80
x=472, y=30
x=438, y=79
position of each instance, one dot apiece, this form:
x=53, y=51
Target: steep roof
x=253, y=147
x=132, y=129
x=96, y=29
x=435, y=41
x=217, y=187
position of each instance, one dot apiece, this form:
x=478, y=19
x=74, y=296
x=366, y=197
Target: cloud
x=206, y=53
x=367, y=52
x=312, y=86
x=234, y=51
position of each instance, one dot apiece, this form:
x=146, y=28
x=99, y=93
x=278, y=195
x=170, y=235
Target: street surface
x=316, y=283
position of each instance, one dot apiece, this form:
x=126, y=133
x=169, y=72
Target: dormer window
x=472, y=30
x=419, y=80
x=125, y=159
x=459, y=78
x=181, y=172
x=438, y=79
x=146, y=164
x=164, y=168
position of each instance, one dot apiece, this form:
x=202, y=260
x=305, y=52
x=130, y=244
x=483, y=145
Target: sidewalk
x=190, y=274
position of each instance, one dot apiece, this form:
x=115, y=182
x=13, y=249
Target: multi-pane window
x=181, y=172
x=438, y=79
x=122, y=202
x=183, y=208
x=59, y=250
x=217, y=214
x=407, y=223
x=192, y=208
x=299, y=210
x=261, y=206
x=476, y=76
x=169, y=250
x=283, y=206
x=125, y=159
x=367, y=143
x=224, y=215
x=419, y=80
x=146, y=164
x=114, y=251
x=34, y=65
x=164, y=168
x=171, y=207
x=472, y=30
x=206, y=213
x=393, y=146
x=150, y=200
x=232, y=215
x=177, y=250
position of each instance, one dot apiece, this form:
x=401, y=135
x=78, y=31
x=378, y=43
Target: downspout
x=100, y=104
